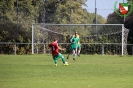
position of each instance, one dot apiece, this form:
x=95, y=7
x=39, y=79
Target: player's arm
x=73, y=40
x=60, y=48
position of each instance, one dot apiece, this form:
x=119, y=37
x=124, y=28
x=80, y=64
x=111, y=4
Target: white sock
x=78, y=52
x=74, y=54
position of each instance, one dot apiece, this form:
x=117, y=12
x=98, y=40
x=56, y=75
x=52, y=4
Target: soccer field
x=88, y=71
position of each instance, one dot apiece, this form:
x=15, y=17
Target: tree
x=16, y=17
x=114, y=18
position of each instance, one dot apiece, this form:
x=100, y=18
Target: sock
x=68, y=55
x=74, y=54
x=63, y=59
x=78, y=52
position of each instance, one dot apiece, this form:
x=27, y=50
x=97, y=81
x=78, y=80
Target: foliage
x=129, y=25
x=16, y=17
x=113, y=18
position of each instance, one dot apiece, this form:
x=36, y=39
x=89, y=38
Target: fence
x=95, y=39
x=101, y=49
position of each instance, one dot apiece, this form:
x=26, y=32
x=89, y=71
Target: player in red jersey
x=55, y=52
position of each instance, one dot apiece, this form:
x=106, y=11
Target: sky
x=104, y=7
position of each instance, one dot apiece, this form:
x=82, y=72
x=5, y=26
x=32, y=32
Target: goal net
x=95, y=38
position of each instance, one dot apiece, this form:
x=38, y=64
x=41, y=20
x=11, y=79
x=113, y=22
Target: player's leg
x=63, y=59
x=79, y=49
x=69, y=52
x=68, y=55
x=55, y=60
x=74, y=53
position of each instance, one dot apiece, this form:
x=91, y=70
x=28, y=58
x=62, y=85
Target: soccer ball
x=66, y=62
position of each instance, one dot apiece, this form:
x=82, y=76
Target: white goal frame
x=122, y=38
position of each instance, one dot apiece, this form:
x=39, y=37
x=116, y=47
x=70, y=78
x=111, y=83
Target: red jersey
x=54, y=48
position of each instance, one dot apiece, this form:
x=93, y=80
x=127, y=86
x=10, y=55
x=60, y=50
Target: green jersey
x=77, y=37
x=74, y=43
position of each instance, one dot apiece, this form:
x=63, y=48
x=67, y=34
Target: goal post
x=95, y=38
x=32, y=38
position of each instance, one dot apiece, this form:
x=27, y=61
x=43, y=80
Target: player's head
x=76, y=32
x=55, y=39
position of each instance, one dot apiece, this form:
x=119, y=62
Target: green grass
x=88, y=71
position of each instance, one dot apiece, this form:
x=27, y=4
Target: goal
x=102, y=39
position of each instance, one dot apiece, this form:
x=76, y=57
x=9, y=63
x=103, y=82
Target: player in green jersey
x=79, y=45
x=73, y=47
